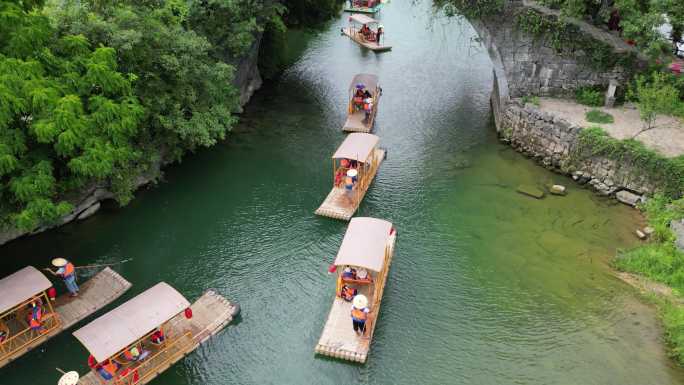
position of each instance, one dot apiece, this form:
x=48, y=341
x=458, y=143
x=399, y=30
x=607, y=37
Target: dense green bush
x=67, y=116
x=598, y=116
x=589, y=97
x=99, y=91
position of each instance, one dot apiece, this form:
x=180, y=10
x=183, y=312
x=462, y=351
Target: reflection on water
x=487, y=286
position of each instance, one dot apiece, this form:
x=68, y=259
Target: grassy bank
x=660, y=260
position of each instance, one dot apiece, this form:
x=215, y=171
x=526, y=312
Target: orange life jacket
x=110, y=367
x=69, y=269
x=359, y=314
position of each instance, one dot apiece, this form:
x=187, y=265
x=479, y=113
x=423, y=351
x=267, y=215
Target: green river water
x=487, y=286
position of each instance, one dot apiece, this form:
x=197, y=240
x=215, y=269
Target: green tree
x=185, y=87
x=656, y=95
x=67, y=116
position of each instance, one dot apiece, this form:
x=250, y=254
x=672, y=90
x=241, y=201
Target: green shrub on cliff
x=95, y=92
x=67, y=116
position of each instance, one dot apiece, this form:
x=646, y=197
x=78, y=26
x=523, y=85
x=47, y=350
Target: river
x=487, y=286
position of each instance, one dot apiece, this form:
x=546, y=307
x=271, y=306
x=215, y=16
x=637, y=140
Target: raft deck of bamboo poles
x=376, y=8
x=94, y=294
x=356, y=121
x=358, y=38
x=338, y=339
x=210, y=314
x=336, y=205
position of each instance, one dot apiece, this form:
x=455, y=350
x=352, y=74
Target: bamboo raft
x=94, y=294
x=210, y=314
x=376, y=8
x=360, y=40
x=336, y=204
x=356, y=120
x=338, y=339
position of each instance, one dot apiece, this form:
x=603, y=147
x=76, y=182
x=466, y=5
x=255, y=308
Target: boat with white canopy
x=363, y=6
x=364, y=97
x=355, y=164
x=31, y=312
x=144, y=336
x=367, y=32
x=362, y=264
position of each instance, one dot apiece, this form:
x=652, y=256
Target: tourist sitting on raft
x=106, y=369
x=347, y=293
x=35, y=316
x=157, y=337
x=349, y=274
x=345, y=166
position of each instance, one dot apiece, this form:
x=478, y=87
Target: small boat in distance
x=363, y=6
x=360, y=114
x=144, y=336
x=366, y=35
x=362, y=263
x=355, y=164
x=30, y=313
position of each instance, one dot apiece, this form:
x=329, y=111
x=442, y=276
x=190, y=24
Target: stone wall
x=87, y=202
x=526, y=65
x=553, y=142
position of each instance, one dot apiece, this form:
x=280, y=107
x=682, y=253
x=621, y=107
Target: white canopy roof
x=112, y=332
x=364, y=243
x=356, y=146
x=362, y=19
x=20, y=286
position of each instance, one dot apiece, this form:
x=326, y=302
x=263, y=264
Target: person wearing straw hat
x=359, y=313
x=349, y=182
x=67, y=272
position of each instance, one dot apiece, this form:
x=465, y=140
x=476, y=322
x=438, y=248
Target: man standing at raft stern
x=359, y=314
x=67, y=272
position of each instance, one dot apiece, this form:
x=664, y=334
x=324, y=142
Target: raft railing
x=149, y=368
x=49, y=322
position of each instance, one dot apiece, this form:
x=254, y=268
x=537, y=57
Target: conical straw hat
x=69, y=378
x=59, y=262
x=360, y=301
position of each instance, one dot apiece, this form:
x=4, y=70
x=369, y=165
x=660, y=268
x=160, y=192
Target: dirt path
x=667, y=137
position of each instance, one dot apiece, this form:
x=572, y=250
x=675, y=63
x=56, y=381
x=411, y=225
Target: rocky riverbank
x=88, y=201
x=554, y=143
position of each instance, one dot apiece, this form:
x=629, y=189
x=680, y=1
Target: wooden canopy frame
x=22, y=338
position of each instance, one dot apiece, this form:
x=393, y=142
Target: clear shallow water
x=487, y=286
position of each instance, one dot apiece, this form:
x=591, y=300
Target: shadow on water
x=487, y=286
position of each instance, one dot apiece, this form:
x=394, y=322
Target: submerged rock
x=640, y=234
x=531, y=191
x=627, y=197
x=557, y=189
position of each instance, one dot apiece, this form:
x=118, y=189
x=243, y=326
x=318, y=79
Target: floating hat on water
x=360, y=301
x=69, y=378
x=352, y=173
x=59, y=262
